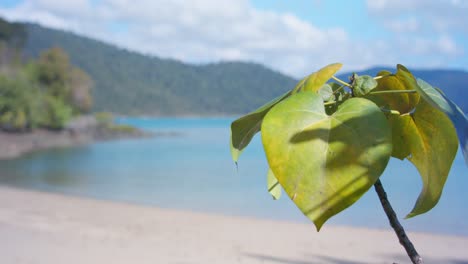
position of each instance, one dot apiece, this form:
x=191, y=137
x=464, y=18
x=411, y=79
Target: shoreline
x=55, y=228
x=83, y=130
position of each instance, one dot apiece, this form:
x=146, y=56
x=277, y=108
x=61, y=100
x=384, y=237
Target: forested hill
x=130, y=83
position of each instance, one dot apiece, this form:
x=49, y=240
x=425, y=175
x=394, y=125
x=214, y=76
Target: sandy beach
x=47, y=228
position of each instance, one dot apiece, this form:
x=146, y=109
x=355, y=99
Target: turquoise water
x=194, y=171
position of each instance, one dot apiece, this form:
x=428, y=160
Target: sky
x=295, y=37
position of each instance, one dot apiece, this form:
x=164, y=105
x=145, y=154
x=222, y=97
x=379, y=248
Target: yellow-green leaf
x=316, y=80
x=274, y=188
x=437, y=99
x=245, y=128
x=325, y=163
x=398, y=124
x=400, y=81
x=432, y=141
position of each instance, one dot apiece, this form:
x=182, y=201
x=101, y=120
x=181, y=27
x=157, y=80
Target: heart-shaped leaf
x=430, y=138
x=441, y=102
x=325, y=163
x=400, y=81
x=314, y=81
x=274, y=188
x=245, y=128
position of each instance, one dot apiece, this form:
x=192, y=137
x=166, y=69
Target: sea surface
x=193, y=170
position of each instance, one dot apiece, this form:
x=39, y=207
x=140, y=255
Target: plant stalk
x=393, y=91
x=341, y=82
x=399, y=230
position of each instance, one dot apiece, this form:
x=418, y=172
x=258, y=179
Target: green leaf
x=274, y=188
x=339, y=96
x=325, y=163
x=245, y=128
x=383, y=73
x=400, y=81
x=363, y=85
x=326, y=92
x=398, y=124
x=441, y=102
x=337, y=90
x=316, y=80
x=431, y=140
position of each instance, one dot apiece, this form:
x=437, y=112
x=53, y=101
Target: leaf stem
x=390, y=111
x=399, y=230
x=341, y=82
x=393, y=91
x=339, y=89
x=329, y=103
x=381, y=76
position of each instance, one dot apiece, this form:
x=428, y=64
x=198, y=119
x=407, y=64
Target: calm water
x=194, y=171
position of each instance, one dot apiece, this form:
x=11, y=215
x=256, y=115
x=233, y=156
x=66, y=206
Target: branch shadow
x=316, y=259
x=402, y=258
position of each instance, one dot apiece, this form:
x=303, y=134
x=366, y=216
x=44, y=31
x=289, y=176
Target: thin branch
x=381, y=76
x=339, y=89
x=399, y=231
x=393, y=91
x=341, y=82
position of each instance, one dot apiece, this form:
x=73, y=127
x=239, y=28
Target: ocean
x=191, y=169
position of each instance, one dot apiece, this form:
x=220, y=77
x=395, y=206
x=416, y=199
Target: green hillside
x=130, y=83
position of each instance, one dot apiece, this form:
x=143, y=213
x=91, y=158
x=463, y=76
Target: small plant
x=327, y=143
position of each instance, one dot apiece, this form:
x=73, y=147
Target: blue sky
x=295, y=37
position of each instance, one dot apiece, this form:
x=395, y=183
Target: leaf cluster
x=327, y=141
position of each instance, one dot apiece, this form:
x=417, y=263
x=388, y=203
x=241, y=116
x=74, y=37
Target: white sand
x=46, y=228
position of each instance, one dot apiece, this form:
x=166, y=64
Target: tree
x=328, y=143
x=20, y=103
x=80, y=91
x=44, y=93
x=64, y=81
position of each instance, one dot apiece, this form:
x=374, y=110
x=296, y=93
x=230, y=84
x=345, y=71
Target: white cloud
x=202, y=31
x=410, y=24
x=438, y=15
x=424, y=28
x=447, y=45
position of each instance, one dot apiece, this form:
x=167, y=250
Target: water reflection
x=46, y=170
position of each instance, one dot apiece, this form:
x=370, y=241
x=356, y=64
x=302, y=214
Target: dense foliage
x=327, y=143
x=45, y=92
x=13, y=34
